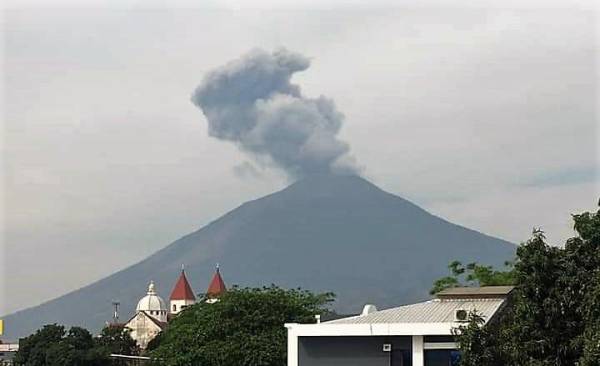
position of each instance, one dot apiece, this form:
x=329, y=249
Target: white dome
x=153, y=304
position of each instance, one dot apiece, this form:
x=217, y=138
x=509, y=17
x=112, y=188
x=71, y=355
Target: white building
x=7, y=353
x=150, y=318
x=410, y=335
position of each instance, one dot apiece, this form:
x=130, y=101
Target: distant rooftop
x=327, y=317
x=486, y=301
x=9, y=347
x=433, y=311
x=486, y=292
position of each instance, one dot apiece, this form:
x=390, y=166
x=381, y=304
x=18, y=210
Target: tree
x=474, y=274
x=243, y=328
x=53, y=345
x=589, y=228
x=474, y=341
x=116, y=339
x=33, y=349
x=591, y=333
x=553, y=318
x=555, y=314
x=536, y=333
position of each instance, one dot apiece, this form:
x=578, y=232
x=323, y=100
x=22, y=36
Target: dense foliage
x=53, y=345
x=474, y=341
x=115, y=339
x=244, y=328
x=554, y=315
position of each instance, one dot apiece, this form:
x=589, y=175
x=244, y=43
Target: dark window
x=401, y=357
x=174, y=307
x=441, y=357
x=455, y=358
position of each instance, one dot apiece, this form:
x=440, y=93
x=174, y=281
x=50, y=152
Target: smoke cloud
x=251, y=102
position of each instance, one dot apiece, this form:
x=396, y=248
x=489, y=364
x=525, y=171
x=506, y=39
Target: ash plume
x=251, y=102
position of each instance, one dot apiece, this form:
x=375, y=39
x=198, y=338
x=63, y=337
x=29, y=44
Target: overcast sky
x=485, y=115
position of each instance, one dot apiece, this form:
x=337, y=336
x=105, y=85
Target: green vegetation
x=244, y=328
x=474, y=342
x=53, y=345
x=554, y=314
x=116, y=340
x=474, y=275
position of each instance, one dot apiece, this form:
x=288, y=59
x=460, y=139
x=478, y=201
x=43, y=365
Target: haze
x=485, y=115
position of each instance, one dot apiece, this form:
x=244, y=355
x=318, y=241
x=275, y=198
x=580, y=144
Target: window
x=400, y=357
x=454, y=358
x=442, y=357
x=174, y=307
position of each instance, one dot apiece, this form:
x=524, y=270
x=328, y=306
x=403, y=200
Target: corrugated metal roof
x=433, y=311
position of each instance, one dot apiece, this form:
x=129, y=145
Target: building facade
x=411, y=335
x=150, y=318
x=7, y=353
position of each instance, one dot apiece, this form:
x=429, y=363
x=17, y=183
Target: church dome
x=152, y=304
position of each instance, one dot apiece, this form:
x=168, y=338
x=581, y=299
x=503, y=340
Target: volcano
x=326, y=233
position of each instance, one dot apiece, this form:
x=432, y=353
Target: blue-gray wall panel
x=353, y=351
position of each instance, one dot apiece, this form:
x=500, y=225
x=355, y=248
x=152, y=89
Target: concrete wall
x=175, y=306
x=354, y=351
x=6, y=358
x=142, y=329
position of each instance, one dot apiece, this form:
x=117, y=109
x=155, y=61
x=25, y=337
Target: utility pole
x=116, y=311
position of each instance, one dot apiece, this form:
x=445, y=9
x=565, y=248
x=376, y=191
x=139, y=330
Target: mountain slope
x=328, y=233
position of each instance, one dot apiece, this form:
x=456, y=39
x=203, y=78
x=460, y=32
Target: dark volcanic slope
x=340, y=234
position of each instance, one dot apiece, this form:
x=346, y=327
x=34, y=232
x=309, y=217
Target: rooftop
x=217, y=285
x=182, y=289
x=485, y=292
x=433, y=311
x=486, y=301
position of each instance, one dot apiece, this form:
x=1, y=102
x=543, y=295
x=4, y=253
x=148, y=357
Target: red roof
x=217, y=286
x=182, y=289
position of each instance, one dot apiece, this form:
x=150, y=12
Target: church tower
x=182, y=295
x=216, y=287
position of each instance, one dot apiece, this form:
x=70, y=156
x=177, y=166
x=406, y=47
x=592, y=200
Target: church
x=152, y=314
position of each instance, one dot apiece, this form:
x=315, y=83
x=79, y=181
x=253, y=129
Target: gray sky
x=485, y=115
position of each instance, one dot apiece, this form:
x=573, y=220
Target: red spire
x=182, y=289
x=217, y=286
